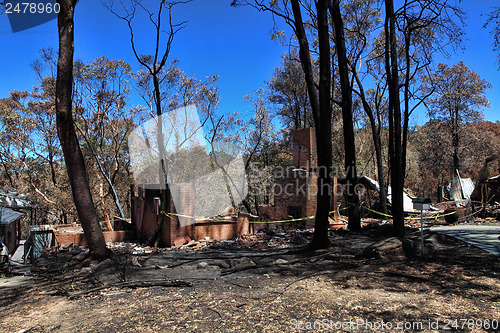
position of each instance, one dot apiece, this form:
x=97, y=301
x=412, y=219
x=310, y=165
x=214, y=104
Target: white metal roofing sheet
x=8, y=215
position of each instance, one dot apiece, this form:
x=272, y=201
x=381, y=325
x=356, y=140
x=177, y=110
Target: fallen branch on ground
x=135, y=284
x=289, y=262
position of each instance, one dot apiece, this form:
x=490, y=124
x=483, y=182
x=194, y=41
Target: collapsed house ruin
x=296, y=199
x=146, y=214
x=295, y=188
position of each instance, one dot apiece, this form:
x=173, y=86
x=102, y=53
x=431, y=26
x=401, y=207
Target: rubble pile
x=492, y=211
x=267, y=240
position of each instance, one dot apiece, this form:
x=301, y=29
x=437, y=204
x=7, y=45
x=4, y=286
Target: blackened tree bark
x=455, y=141
x=395, y=143
x=321, y=110
x=349, y=145
x=323, y=131
x=323, y=142
x=377, y=141
x=424, y=27
x=305, y=59
x=73, y=156
x=360, y=19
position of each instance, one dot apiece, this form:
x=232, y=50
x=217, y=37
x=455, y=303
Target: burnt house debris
x=486, y=195
x=178, y=229
x=295, y=188
x=483, y=197
x=487, y=188
x=295, y=199
x=460, y=189
x=13, y=206
x=492, y=190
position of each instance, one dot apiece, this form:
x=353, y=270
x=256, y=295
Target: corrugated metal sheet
x=467, y=187
x=8, y=215
x=460, y=188
x=12, y=199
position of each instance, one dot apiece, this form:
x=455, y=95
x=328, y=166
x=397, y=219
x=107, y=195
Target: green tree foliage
x=31, y=155
x=288, y=92
x=459, y=94
x=103, y=122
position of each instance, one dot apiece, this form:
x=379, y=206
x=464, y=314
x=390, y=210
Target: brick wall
x=176, y=228
x=222, y=230
x=304, y=148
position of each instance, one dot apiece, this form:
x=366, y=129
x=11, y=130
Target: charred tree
x=395, y=138
x=73, y=156
x=323, y=121
x=346, y=90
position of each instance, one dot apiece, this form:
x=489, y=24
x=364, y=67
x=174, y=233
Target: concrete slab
x=481, y=236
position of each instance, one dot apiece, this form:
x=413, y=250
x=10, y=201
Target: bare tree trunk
x=305, y=60
x=377, y=142
x=375, y=126
x=323, y=131
x=455, y=139
x=154, y=70
x=395, y=153
x=321, y=111
x=73, y=157
x=52, y=168
x=162, y=167
x=354, y=223
x=6, y=169
x=456, y=161
x=380, y=173
x=112, y=188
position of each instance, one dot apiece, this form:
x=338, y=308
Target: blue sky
x=478, y=54
x=233, y=43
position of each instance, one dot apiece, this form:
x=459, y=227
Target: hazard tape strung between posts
x=411, y=218
x=307, y=217
x=230, y=221
x=313, y=216
x=257, y=222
